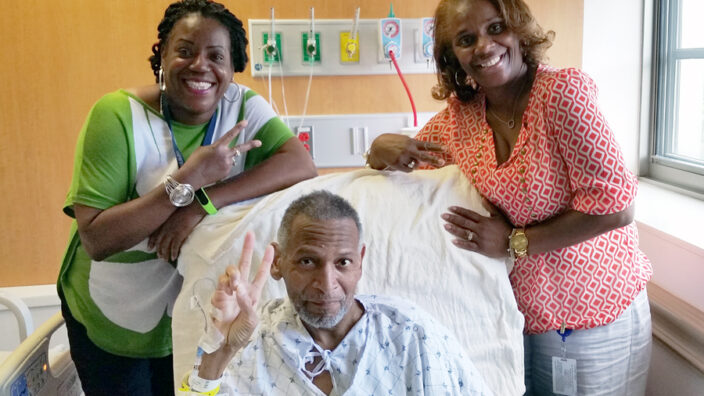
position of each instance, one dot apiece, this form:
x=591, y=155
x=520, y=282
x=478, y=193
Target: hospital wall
x=61, y=56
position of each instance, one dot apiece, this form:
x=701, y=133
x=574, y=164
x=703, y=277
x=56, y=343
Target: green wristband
x=205, y=202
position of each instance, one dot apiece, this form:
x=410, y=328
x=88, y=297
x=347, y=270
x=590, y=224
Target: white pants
x=611, y=360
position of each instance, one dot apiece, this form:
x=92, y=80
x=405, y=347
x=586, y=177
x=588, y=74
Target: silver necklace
x=511, y=123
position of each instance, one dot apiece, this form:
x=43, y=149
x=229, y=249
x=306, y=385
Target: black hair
x=208, y=9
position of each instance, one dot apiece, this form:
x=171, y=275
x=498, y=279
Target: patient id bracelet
x=189, y=386
x=201, y=385
x=194, y=383
x=564, y=370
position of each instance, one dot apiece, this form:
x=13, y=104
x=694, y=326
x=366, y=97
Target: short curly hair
x=319, y=205
x=208, y=9
x=534, y=42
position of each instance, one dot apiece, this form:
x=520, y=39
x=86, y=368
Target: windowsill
x=670, y=212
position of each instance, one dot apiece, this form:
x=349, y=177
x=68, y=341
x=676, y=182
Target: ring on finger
x=235, y=156
x=411, y=164
x=470, y=235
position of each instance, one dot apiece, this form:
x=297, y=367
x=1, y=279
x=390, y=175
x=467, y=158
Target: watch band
x=205, y=202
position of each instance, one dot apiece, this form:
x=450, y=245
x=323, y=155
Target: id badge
x=564, y=376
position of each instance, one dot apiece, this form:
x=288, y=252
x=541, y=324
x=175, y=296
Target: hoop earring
x=160, y=80
x=239, y=93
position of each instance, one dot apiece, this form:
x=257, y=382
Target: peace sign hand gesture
x=236, y=297
x=209, y=164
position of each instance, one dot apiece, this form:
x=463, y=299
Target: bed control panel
x=32, y=379
x=34, y=369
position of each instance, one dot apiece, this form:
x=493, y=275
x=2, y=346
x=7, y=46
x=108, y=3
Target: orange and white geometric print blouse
x=565, y=157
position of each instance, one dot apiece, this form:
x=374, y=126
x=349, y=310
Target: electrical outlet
x=272, y=50
x=305, y=135
x=349, y=48
x=311, y=49
x=390, y=38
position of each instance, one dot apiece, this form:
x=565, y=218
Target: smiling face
x=197, y=68
x=484, y=46
x=321, y=265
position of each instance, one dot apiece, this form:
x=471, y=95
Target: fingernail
x=257, y=143
x=441, y=162
x=445, y=216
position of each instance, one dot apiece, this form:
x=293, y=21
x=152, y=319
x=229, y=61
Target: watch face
x=519, y=242
x=182, y=195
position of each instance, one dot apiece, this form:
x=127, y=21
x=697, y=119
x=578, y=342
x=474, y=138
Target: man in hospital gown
x=323, y=339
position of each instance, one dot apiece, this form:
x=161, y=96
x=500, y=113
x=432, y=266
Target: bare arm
x=290, y=164
x=105, y=232
x=572, y=227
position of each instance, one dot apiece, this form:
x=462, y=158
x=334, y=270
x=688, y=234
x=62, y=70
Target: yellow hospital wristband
x=185, y=387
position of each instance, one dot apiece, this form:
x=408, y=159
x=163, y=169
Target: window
x=677, y=147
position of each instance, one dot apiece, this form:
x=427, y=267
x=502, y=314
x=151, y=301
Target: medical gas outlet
x=424, y=40
x=311, y=47
x=271, y=48
x=349, y=48
x=390, y=37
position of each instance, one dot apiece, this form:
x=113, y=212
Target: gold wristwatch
x=518, y=243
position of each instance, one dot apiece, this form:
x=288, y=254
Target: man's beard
x=323, y=321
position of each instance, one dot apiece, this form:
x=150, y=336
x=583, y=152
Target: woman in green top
x=150, y=163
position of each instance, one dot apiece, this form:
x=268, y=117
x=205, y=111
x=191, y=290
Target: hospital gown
x=394, y=349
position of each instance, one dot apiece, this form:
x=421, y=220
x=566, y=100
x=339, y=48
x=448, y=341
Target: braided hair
x=208, y=9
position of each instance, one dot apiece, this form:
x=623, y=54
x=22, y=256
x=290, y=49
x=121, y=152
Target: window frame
x=660, y=96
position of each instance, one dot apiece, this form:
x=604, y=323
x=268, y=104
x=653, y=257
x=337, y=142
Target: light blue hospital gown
x=394, y=349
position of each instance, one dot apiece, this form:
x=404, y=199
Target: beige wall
x=61, y=56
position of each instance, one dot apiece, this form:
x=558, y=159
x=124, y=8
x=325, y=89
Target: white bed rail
x=34, y=369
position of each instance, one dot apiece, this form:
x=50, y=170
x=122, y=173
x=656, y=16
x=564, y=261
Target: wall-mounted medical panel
x=331, y=58
x=341, y=140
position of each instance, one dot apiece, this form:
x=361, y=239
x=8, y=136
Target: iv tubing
x=408, y=91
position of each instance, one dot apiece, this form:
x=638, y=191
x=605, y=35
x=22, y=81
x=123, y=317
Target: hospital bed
x=409, y=254
x=33, y=368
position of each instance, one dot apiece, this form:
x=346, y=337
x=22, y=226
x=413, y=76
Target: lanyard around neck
x=207, y=139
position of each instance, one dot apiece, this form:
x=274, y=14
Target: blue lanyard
x=207, y=139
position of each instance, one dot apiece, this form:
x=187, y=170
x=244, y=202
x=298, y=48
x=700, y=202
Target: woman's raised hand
x=400, y=152
x=236, y=297
x=209, y=164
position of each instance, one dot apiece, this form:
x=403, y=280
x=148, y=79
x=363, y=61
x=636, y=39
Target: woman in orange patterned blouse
x=534, y=142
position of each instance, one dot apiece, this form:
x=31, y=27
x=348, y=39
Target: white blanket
x=409, y=254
